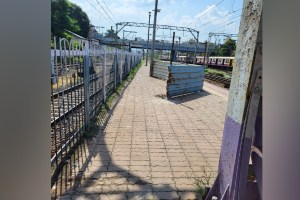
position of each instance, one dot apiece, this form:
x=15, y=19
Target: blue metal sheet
x=185, y=69
x=187, y=75
x=184, y=79
x=184, y=85
x=171, y=93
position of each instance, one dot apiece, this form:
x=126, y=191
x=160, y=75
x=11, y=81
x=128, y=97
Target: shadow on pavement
x=188, y=97
x=78, y=181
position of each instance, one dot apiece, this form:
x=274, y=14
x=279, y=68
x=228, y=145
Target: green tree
x=192, y=41
x=110, y=34
x=228, y=48
x=82, y=19
x=68, y=16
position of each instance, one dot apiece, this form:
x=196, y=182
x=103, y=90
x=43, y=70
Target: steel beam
x=177, y=28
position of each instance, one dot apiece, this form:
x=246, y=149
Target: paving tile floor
x=152, y=147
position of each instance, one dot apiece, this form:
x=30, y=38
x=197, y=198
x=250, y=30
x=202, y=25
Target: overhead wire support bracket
x=145, y=25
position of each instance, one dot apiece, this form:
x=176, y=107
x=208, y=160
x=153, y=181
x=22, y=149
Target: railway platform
x=153, y=147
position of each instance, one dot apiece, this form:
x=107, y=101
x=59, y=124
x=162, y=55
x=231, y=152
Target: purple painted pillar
x=230, y=171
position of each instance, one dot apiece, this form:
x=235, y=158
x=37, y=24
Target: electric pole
x=153, y=39
x=148, y=38
x=178, y=48
x=173, y=50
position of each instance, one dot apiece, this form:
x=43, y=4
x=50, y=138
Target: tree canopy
x=110, y=34
x=228, y=48
x=68, y=16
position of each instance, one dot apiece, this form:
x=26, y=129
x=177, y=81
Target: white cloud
x=176, y=13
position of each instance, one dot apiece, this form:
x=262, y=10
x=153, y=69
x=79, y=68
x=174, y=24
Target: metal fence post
x=115, y=70
x=129, y=62
x=53, y=77
x=104, y=76
x=121, y=68
x=87, y=86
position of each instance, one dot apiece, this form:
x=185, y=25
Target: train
x=213, y=61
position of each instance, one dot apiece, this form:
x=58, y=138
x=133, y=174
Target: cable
x=207, y=30
x=98, y=11
x=105, y=12
x=235, y=17
x=232, y=5
x=209, y=10
x=233, y=20
x=221, y=17
x=109, y=10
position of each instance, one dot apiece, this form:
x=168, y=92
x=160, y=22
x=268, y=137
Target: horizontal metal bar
x=69, y=89
x=64, y=115
x=66, y=145
x=178, y=28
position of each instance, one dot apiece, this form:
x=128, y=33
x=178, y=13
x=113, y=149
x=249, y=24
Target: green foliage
x=192, y=41
x=202, y=184
x=110, y=34
x=68, y=16
x=228, y=48
x=218, y=72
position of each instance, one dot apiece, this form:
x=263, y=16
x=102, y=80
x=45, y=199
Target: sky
x=218, y=16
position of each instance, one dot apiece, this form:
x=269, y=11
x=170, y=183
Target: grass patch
x=202, y=184
x=219, y=72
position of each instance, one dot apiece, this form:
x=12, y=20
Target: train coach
x=185, y=59
x=216, y=61
x=213, y=61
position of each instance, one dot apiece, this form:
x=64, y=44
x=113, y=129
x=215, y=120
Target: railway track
x=217, y=79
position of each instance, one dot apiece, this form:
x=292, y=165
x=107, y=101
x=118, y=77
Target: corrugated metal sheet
x=183, y=79
x=160, y=70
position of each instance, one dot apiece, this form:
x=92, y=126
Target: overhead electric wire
x=232, y=5
x=109, y=11
x=105, y=12
x=209, y=10
x=232, y=20
x=221, y=17
x=98, y=11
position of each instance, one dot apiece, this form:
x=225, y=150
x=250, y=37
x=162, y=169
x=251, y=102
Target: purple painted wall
x=230, y=148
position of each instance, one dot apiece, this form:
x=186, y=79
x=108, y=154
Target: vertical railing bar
x=77, y=90
x=121, y=67
x=115, y=70
x=86, y=80
x=104, y=76
x=72, y=66
x=59, y=97
x=63, y=93
x=82, y=89
x=99, y=80
x=77, y=98
x=67, y=137
x=52, y=101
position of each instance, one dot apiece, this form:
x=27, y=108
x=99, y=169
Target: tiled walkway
x=152, y=147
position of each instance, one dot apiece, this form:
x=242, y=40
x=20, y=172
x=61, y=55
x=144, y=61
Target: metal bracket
x=248, y=133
